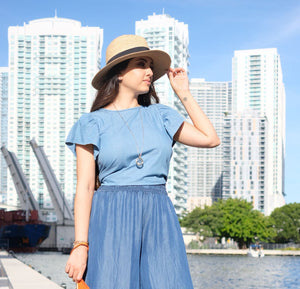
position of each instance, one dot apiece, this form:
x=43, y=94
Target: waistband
x=160, y=189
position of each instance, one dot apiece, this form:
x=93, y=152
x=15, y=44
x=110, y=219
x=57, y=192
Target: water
x=244, y=272
x=208, y=272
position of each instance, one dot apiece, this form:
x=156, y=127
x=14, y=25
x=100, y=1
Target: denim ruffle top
x=115, y=148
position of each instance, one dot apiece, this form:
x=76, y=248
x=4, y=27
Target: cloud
x=278, y=30
x=290, y=29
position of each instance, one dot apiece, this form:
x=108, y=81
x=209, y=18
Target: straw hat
x=129, y=46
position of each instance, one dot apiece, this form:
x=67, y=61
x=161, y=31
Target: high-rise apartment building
x=244, y=144
x=3, y=135
x=168, y=34
x=205, y=166
x=257, y=86
x=51, y=64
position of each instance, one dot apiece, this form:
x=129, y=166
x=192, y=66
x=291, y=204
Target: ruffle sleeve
x=171, y=118
x=84, y=131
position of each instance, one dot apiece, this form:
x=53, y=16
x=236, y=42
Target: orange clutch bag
x=82, y=285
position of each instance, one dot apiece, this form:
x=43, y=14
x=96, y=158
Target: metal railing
x=277, y=246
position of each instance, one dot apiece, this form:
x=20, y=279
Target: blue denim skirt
x=135, y=240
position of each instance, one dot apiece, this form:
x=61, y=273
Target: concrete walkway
x=21, y=276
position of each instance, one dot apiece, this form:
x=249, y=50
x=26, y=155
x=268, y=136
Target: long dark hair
x=108, y=93
x=110, y=88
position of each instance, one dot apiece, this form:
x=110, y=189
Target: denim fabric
x=116, y=147
x=135, y=240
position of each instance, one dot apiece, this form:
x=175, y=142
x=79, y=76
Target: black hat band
x=128, y=51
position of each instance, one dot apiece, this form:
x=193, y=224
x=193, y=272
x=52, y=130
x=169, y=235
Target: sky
x=216, y=29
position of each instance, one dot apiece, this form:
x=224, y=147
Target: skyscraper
x=3, y=135
x=244, y=151
x=257, y=86
x=51, y=64
x=168, y=34
x=205, y=166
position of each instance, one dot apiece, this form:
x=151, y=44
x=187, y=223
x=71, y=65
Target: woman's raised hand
x=178, y=80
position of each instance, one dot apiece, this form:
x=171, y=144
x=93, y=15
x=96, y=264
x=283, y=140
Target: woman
x=133, y=232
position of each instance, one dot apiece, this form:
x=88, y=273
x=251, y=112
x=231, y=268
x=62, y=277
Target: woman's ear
x=120, y=78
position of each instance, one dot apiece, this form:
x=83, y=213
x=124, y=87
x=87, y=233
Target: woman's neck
x=123, y=103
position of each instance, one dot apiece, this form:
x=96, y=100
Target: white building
x=205, y=166
x=3, y=135
x=257, y=85
x=51, y=64
x=168, y=34
x=245, y=141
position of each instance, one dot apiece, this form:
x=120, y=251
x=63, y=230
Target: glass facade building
x=166, y=33
x=3, y=135
x=51, y=64
x=257, y=86
x=244, y=139
x=205, y=166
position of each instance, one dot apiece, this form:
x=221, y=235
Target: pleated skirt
x=135, y=240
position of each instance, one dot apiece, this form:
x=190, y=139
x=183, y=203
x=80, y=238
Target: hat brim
x=161, y=64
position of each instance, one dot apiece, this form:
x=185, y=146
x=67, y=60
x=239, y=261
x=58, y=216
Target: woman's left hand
x=179, y=80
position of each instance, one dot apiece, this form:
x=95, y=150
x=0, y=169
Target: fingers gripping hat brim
x=133, y=46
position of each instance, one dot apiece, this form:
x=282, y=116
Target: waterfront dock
x=17, y=275
x=14, y=274
x=241, y=252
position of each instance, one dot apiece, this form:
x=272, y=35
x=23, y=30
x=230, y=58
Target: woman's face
x=137, y=77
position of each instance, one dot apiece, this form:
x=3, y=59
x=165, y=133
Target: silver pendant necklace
x=139, y=161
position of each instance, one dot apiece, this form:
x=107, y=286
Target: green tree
x=207, y=222
x=286, y=222
x=232, y=218
x=243, y=224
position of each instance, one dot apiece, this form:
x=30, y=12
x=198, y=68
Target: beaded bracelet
x=85, y=244
x=80, y=242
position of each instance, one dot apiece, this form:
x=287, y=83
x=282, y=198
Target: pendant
x=139, y=162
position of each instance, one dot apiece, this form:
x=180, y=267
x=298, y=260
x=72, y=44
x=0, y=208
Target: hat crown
x=124, y=43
